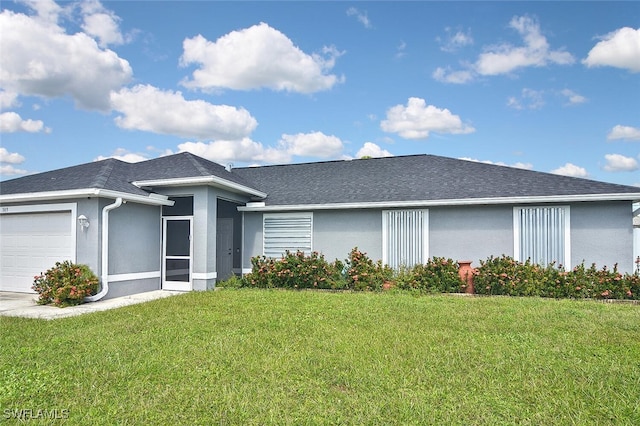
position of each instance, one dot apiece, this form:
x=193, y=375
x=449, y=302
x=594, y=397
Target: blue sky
x=547, y=86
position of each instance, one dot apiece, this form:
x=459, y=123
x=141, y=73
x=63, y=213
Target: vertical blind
x=542, y=234
x=287, y=232
x=404, y=237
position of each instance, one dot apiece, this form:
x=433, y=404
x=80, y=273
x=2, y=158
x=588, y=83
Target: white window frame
x=304, y=233
x=566, y=262
x=422, y=240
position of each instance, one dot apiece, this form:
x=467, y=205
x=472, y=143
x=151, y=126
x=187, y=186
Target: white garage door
x=31, y=243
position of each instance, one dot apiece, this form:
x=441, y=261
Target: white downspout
x=105, y=251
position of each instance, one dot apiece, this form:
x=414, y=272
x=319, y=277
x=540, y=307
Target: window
x=542, y=235
x=405, y=239
x=183, y=206
x=287, y=231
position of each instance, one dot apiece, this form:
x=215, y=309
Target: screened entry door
x=177, y=250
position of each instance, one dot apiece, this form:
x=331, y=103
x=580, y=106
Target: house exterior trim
x=201, y=180
x=259, y=207
x=204, y=275
x=134, y=276
x=152, y=199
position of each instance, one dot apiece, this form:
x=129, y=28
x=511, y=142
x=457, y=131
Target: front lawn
x=306, y=357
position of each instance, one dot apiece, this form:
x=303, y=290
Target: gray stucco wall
x=337, y=232
x=127, y=288
x=88, y=249
x=251, y=237
x=470, y=232
x=601, y=233
x=134, y=247
x=134, y=239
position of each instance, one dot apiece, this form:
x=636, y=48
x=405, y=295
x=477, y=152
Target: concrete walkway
x=24, y=305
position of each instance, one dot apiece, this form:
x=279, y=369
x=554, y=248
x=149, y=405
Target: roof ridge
x=199, y=166
x=106, y=169
x=336, y=161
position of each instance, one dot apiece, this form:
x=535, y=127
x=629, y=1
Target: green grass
x=285, y=357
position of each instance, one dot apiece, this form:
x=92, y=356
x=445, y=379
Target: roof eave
x=151, y=199
x=201, y=180
x=262, y=207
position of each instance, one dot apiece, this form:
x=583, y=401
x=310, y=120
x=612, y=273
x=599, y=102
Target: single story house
x=182, y=222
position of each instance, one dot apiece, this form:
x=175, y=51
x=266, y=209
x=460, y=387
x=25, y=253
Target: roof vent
x=229, y=167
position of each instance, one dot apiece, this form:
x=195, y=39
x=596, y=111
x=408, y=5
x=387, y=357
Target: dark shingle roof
x=108, y=174
x=391, y=179
x=183, y=165
x=411, y=178
x=116, y=175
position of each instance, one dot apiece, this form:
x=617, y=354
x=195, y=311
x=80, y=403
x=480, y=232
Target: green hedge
x=504, y=275
x=438, y=275
x=495, y=276
x=358, y=272
x=295, y=270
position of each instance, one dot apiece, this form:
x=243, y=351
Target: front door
x=177, y=249
x=224, y=248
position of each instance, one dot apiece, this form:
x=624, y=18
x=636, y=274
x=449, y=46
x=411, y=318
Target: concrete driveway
x=24, y=305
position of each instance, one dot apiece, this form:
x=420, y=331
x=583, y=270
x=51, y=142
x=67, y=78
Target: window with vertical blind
x=405, y=238
x=287, y=231
x=542, y=235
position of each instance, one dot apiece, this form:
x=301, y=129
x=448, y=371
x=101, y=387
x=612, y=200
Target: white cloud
x=125, y=155
x=8, y=160
x=9, y=170
x=624, y=132
x=620, y=163
x=517, y=165
x=47, y=11
x=8, y=99
x=529, y=99
x=456, y=77
x=455, y=41
x=228, y=151
x=521, y=165
x=370, y=149
x=362, y=17
x=39, y=58
x=572, y=97
x=620, y=49
x=101, y=23
x=315, y=144
x=147, y=108
x=417, y=119
x=10, y=157
x=570, y=169
x=11, y=122
x=257, y=57
x=505, y=58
